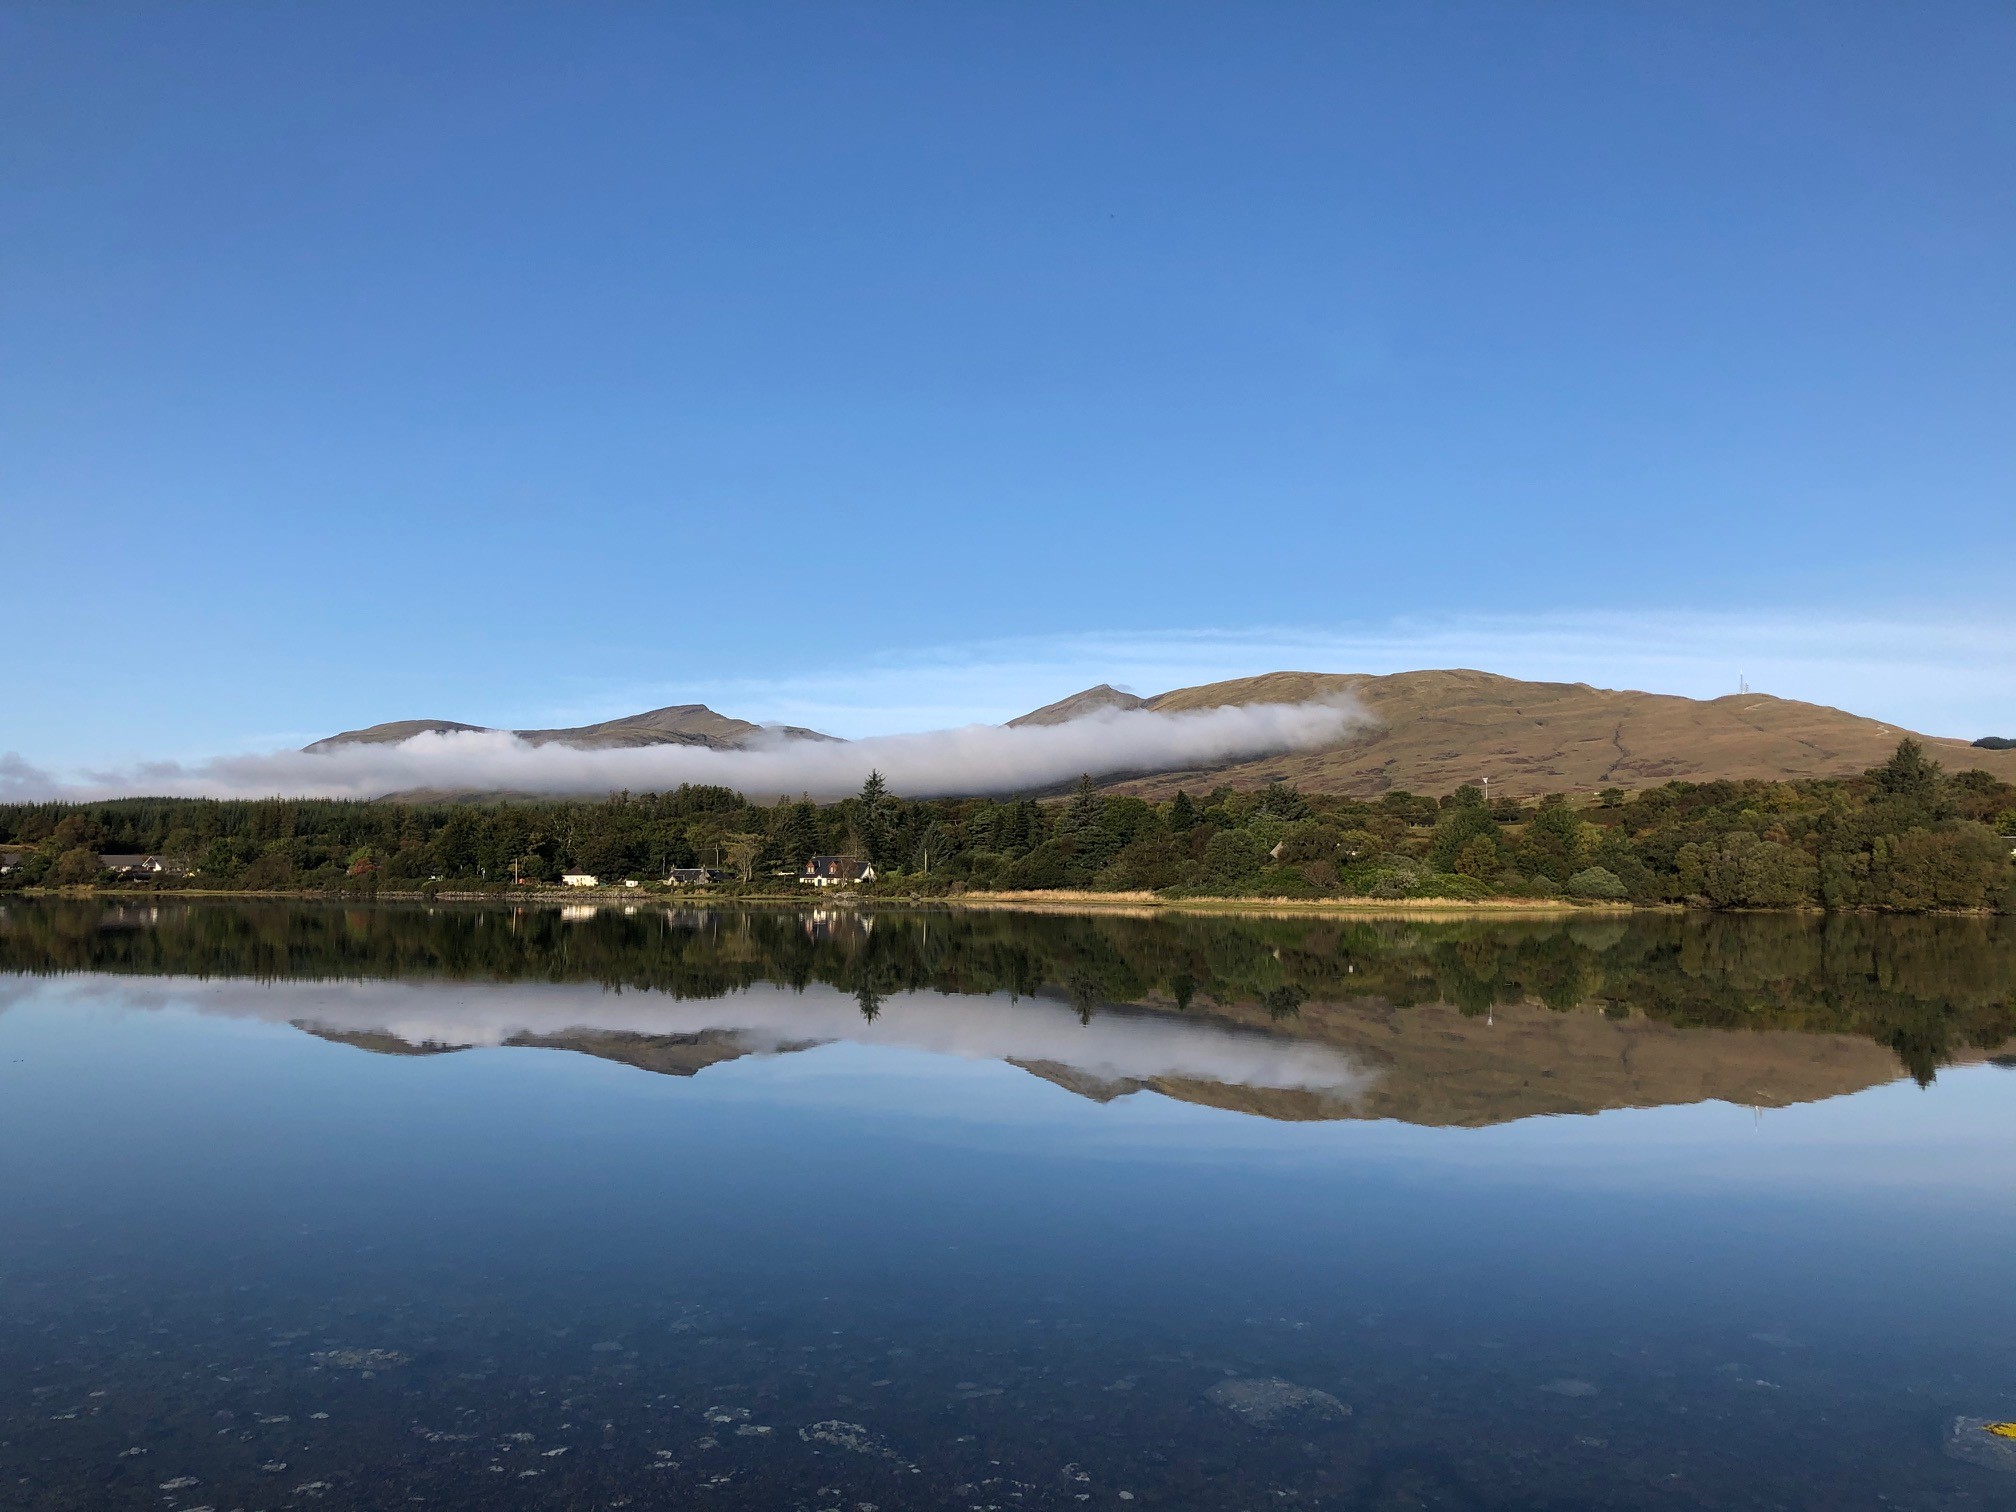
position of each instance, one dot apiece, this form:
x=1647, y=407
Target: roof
x=836, y=866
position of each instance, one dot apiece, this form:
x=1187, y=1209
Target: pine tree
x=1909, y=773
x=797, y=833
x=1086, y=811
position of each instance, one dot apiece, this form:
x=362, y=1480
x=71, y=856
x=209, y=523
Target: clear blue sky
x=513, y=362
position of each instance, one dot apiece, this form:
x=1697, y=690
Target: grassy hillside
x=1438, y=730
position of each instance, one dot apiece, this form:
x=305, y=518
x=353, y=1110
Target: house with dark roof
x=836, y=871
x=694, y=876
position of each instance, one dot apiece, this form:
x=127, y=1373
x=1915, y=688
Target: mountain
x=1078, y=705
x=1429, y=732
x=1436, y=730
x=680, y=724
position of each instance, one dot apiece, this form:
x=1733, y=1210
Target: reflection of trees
x=1284, y=1001
x=1082, y=988
x=1927, y=987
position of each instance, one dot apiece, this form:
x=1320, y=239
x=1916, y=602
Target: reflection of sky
x=122, y=1110
x=184, y=1145
x=763, y=1018
x=933, y=1063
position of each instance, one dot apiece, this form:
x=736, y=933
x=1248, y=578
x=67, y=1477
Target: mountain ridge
x=675, y=724
x=1429, y=1065
x=1430, y=731
x=1435, y=730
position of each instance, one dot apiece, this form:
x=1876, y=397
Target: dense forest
x=1904, y=837
x=1928, y=988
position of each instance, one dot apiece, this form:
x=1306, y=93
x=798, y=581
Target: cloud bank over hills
x=975, y=759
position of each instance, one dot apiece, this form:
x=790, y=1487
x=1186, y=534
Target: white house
x=836, y=871
x=580, y=879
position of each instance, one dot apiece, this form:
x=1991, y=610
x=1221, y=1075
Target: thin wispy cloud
x=1941, y=671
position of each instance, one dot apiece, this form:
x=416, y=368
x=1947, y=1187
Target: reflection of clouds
x=1112, y=1047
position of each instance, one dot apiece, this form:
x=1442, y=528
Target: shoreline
x=1148, y=902
x=1032, y=901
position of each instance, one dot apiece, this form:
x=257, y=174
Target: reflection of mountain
x=1434, y=1065
x=1428, y=1064
x=377, y=1041
x=666, y=1054
x=1293, y=1017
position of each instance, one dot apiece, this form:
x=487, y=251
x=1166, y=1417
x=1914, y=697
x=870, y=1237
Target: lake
x=337, y=1207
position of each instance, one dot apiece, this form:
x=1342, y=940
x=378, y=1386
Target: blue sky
x=896, y=365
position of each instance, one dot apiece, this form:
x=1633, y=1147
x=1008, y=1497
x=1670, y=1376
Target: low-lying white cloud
x=975, y=759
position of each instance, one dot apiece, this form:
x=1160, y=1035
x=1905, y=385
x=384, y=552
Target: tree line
x=1903, y=837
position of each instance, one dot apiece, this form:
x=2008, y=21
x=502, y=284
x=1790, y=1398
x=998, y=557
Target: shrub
x=1596, y=882
x=1356, y=845
x=1232, y=857
x=1738, y=870
x=1309, y=840
x=268, y=872
x=78, y=864
x=1444, y=885
x=1283, y=882
x=1478, y=857
x=1955, y=866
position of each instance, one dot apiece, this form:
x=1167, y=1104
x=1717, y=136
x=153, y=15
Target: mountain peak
x=1078, y=705
x=675, y=724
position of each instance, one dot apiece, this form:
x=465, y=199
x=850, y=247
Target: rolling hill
x=1437, y=730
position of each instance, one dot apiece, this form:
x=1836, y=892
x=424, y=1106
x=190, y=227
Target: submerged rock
x=1983, y=1441
x=852, y=1437
x=359, y=1359
x=1264, y=1402
x=1569, y=1388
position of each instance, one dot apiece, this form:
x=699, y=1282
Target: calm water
x=336, y=1208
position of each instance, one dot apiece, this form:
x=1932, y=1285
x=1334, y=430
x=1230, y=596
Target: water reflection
x=322, y=1244
x=1467, y=1023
